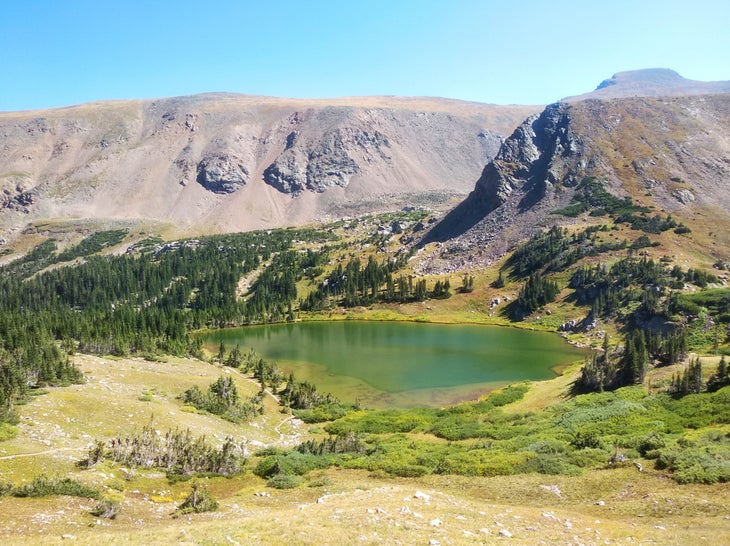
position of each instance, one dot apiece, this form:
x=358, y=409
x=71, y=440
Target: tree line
x=144, y=302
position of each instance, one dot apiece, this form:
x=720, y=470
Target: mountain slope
x=668, y=153
x=223, y=162
x=651, y=82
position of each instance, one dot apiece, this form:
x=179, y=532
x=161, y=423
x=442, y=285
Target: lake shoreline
x=403, y=360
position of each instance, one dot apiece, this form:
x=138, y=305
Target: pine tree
x=597, y=374
x=721, y=377
x=632, y=368
x=467, y=283
x=499, y=283
x=689, y=381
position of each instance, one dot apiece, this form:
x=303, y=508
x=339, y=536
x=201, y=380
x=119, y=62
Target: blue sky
x=57, y=53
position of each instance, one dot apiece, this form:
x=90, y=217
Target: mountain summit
x=650, y=82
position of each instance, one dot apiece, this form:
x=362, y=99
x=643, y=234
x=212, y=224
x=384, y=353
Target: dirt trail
x=46, y=452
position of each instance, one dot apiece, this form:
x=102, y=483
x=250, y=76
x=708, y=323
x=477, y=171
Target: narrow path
x=252, y=380
x=47, y=452
x=284, y=439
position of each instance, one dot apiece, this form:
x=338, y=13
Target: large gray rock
x=17, y=193
x=222, y=173
x=327, y=162
x=286, y=174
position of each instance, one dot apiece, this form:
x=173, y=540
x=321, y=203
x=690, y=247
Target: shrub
x=548, y=447
x=176, y=452
x=479, y=462
x=7, y=431
x=508, y=395
x=455, y=427
x=284, y=481
x=696, y=464
x=549, y=464
x=650, y=444
x=381, y=422
x=405, y=470
x=44, y=487
x=583, y=440
x=320, y=414
x=6, y=488
x=106, y=509
x=199, y=500
x=291, y=463
x=322, y=481
x=589, y=457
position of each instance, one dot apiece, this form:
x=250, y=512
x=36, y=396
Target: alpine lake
x=402, y=364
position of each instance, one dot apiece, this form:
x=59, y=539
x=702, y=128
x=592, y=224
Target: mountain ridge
x=667, y=153
x=199, y=162
x=219, y=162
x=650, y=82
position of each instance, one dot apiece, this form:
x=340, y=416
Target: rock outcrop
x=541, y=153
x=222, y=173
x=324, y=163
x=669, y=154
x=532, y=160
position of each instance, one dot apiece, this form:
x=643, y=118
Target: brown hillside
x=223, y=162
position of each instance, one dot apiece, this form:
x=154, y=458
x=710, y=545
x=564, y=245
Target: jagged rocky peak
x=532, y=159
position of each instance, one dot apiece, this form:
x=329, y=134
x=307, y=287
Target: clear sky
x=63, y=52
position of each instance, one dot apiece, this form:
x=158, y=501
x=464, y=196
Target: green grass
x=366, y=494
x=7, y=431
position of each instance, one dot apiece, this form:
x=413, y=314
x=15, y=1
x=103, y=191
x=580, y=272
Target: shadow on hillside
x=461, y=219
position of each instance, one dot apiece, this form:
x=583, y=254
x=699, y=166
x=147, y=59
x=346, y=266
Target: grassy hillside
x=331, y=505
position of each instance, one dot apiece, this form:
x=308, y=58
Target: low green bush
x=290, y=463
x=7, y=431
x=406, y=470
x=44, y=486
x=651, y=444
x=696, y=465
x=6, y=488
x=506, y=396
x=106, y=509
x=321, y=414
x=549, y=464
x=199, y=500
x=284, y=481
x=322, y=481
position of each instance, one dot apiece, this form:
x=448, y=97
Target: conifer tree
x=721, y=377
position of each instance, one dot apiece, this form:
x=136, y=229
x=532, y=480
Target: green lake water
x=400, y=364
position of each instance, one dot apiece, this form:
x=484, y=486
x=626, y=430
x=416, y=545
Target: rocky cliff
x=671, y=154
x=223, y=162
